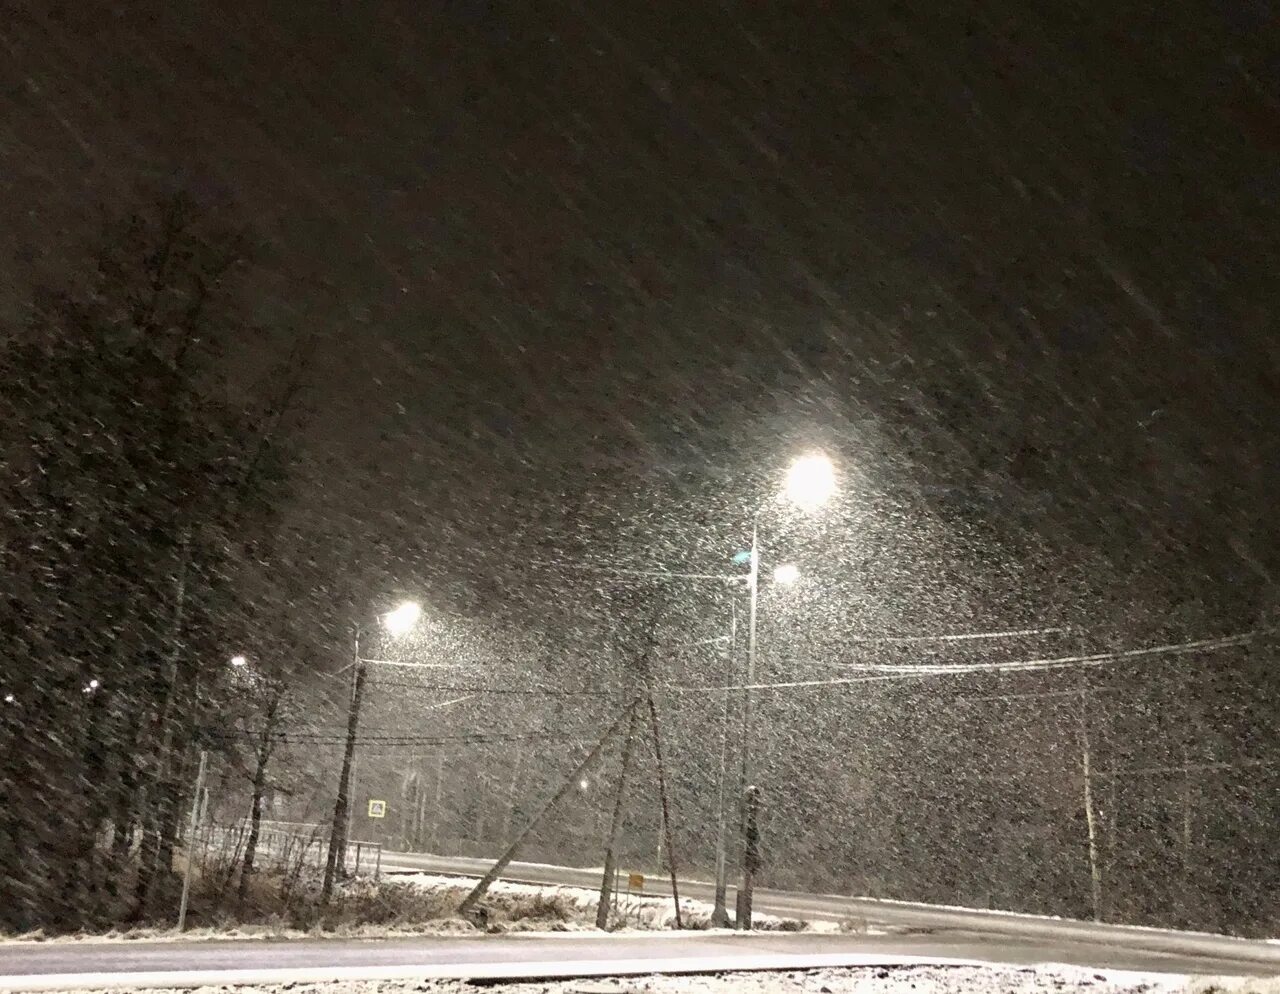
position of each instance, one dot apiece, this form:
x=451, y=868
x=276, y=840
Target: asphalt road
x=135, y=965
x=900, y=914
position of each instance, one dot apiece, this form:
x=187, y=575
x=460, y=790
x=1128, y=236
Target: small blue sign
x=742, y=558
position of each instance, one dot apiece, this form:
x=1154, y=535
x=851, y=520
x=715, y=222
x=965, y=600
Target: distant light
x=91, y=686
x=584, y=784
x=402, y=619
x=239, y=661
x=786, y=573
x=10, y=699
x=811, y=481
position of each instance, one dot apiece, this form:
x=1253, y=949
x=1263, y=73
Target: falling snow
x=409, y=411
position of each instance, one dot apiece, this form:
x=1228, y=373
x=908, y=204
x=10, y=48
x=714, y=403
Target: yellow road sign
x=635, y=881
x=377, y=809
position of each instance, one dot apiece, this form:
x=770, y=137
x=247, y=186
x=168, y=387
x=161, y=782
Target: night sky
x=575, y=267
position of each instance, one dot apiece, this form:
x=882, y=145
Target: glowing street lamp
x=399, y=621
x=811, y=481
x=787, y=573
x=239, y=661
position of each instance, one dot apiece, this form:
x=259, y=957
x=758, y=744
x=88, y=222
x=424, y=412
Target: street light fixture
x=239, y=661
x=785, y=574
x=401, y=620
x=811, y=481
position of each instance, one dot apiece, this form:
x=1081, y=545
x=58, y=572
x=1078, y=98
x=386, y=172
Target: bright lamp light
x=403, y=618
x=811, y=481
x=786, y=573
x=239, y=661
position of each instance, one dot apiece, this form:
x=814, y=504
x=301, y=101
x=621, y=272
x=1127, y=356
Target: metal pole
x=720, y=913
x=191, y=841
x=748, y=873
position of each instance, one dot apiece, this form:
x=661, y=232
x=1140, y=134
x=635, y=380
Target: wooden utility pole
x=570, y=782
x=615, y=826
x=750, y=854
x=1086, y=765
x=336, y=860
x=666, y=809
x=516, y=769
x=435, y=815
x=191, y=841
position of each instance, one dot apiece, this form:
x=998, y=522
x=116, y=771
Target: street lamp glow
x=811, y=481
x=239, y=661
x=786, y=573
x=403, y=618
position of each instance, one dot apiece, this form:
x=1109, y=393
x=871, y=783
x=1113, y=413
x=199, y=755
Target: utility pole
x=435, y=816
x=336, y=861
x=516, y=769
x=191, y=840
x=570, y=782
x=607, y=881
x=750, y=855
x=720, y=913
x=1086, y=765
x=748, y=871
x=666, y=810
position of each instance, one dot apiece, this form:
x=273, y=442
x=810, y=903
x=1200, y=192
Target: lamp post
x=397, y=622
x=810, y=483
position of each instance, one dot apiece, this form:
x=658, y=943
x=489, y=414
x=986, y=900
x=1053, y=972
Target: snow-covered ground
x=864, y=980
x=648, y=912
x=511, y=907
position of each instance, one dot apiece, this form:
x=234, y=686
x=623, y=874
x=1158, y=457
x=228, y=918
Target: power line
x=1187, y=768
x=332, y=738
x=891, y=673
x=961, y=636
x=519, y=691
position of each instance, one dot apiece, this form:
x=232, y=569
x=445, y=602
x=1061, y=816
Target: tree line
x=144, y=540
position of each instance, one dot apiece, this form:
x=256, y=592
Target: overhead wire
x=892, y=672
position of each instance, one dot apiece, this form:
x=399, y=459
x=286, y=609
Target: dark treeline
x=143, y=542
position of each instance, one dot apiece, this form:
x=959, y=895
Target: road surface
x=140, y=964
x=901, y=914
